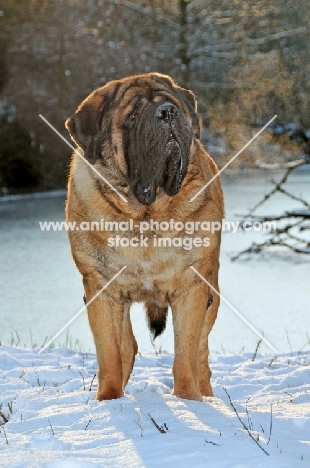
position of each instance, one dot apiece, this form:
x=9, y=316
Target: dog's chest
x=151, y=273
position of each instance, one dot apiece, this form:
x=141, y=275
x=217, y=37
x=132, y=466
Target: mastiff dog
x=140, y=136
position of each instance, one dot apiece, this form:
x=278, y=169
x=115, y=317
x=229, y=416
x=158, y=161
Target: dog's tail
x=156, y=318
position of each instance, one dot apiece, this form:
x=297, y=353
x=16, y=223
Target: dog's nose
x=166, y=111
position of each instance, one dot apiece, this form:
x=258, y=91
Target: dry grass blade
x=87, y=425
x=92, y=381
x=51, y=427
x=272, y=361
x=160, y=429
x=256, y=349
x=212, y=443
x=270, y=427
x=83, y=380
x=248, y=416
x=243, y=425
x=6, y=437
x=3, y=416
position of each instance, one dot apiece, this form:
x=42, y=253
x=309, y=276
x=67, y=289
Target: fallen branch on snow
x=243, y=425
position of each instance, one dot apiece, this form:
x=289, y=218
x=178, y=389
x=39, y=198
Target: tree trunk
x=183, y=46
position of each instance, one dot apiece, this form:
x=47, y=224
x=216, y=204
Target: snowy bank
x=54, y=421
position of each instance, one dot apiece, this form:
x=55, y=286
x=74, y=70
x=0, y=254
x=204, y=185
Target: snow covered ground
x=55, y=422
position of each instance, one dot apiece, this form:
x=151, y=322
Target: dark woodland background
x=245, y=61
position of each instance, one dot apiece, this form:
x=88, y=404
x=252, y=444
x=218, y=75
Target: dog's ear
x=189, y=99
x=85, y=125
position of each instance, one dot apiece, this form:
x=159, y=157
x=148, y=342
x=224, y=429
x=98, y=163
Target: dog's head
x=146, y=125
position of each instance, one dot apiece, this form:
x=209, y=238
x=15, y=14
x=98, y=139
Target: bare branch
x=144, y=11
x=256, y=248
x=275, y=166
x=293, y=197
x=246, y=41
x=220, y=85
x=268, y=195
x=273, y=37
x=212, y=48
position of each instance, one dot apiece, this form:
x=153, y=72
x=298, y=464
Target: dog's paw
x=187, y=395
x=110, y=393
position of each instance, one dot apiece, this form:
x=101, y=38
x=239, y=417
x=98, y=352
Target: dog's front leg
x=188, y=309
x=105, y=316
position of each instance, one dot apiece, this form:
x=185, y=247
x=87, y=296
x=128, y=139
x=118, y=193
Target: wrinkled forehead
x=130, y=92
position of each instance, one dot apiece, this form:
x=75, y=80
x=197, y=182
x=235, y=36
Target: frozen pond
x=41, y=288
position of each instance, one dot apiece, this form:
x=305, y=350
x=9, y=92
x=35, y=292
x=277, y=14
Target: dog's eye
x=131, y=117
x=135, y=112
